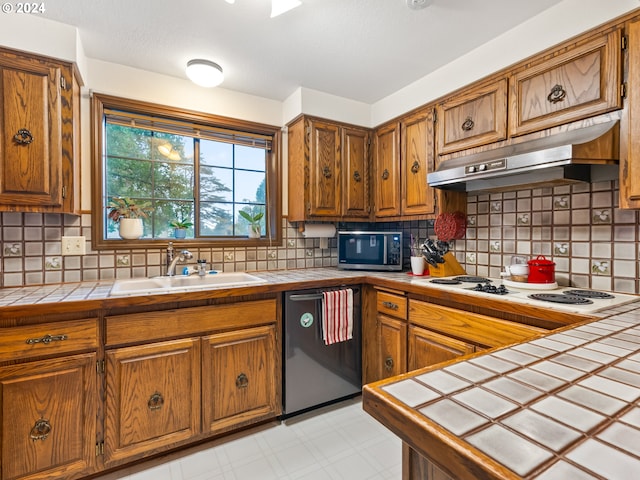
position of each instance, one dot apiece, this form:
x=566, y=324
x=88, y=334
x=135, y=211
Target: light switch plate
x=74, y=245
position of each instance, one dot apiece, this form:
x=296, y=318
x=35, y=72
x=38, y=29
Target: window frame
x=102, y=102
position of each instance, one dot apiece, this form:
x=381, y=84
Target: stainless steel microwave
x=370, y=250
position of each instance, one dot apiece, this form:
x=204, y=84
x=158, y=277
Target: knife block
x=448, y=268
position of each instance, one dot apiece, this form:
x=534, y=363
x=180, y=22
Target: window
x=186, y=166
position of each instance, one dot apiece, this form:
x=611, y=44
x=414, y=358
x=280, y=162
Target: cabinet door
x=629, y=138
x=474, y=118
x=152, y=399
x=355, y=191
x=239, y=377
x=30, y=125
x=581, y=82
x=417, y=152
x=49, y=418
x=387, y=171
x=324, y=169
x=392, y=347
x=428, y=348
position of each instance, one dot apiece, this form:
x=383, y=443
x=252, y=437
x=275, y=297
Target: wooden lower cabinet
x=153, y=398
x=428, y=348
x=392, y=348
x=238, y=381
x=49, y=410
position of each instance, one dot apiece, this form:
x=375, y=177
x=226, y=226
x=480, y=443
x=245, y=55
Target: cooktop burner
x=472, y=279
x=445, y=281
x=588, y=294
x=560, y=298
x=488, y=288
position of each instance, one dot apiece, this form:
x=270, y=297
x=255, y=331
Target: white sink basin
x=137, y=286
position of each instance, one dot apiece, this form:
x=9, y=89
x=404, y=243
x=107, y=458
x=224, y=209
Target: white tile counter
x=564, y=406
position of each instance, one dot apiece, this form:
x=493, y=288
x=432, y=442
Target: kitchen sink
x=136, y=286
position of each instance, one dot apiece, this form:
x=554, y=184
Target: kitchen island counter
x=557, y=407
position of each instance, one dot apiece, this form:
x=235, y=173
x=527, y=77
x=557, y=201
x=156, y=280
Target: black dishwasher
x=316, y=374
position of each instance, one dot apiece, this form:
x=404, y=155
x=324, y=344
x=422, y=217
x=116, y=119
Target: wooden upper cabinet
x=387, y=171
x=629, y=138
x=324, y=169
x=577, y=83
x=39, y=134
x=417, y=152
x=472, y=118
x=355, y=173
x=328, y=171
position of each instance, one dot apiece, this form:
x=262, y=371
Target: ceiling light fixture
x=278, y=7
x=418, y=4
x=204, y=73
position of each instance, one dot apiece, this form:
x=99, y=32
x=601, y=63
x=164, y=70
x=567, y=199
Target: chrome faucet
x=183, y=256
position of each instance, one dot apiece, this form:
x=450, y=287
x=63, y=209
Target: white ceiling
x=363, y=50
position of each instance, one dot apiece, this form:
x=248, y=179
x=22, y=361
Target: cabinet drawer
x=17, y=343
x=581, y=82
x=472, y=327
x=472, y=119
x=143, y=327
x=392, y=305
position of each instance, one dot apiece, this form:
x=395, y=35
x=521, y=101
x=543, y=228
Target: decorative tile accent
x=495, y=246
x=53, y=263
x=601, y=216
x=561, y=202
x=12, y=249
x=561, y=249
x=496, y=207
x=123, y=261
x=600, y=267
x=523, y=219
x=470, y=257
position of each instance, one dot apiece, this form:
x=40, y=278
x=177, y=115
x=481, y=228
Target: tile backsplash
x=593, y=243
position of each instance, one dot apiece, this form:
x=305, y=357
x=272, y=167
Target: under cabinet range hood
x=588, y=154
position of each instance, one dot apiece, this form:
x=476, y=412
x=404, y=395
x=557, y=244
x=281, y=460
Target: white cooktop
x=521, y=295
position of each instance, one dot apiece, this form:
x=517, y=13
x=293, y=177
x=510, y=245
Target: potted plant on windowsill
x=254, y=222
x=128, y=214
x=180, y=227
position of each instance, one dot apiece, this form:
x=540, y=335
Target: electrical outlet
x=74, y=245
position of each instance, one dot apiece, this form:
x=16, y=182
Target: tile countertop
x=563, y=406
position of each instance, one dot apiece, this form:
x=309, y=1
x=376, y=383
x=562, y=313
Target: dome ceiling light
x=204, y=73
x=418, y=4
x=278, y=7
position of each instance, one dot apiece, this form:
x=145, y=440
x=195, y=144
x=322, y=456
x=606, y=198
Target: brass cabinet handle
x=385, y=174
x=388, y=364
x=242, y=381
x=47, y=339
x=155, y=401
x=23, y=137
x=356, y=176
x=391, y=305
x=326, y=171
x=556, y=94
x=415, y=167
x=41, y=430
x=468, y=124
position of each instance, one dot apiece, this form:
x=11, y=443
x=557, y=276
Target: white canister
x=417, y=265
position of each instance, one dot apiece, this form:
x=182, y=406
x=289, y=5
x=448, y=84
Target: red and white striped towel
x=337, y=316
